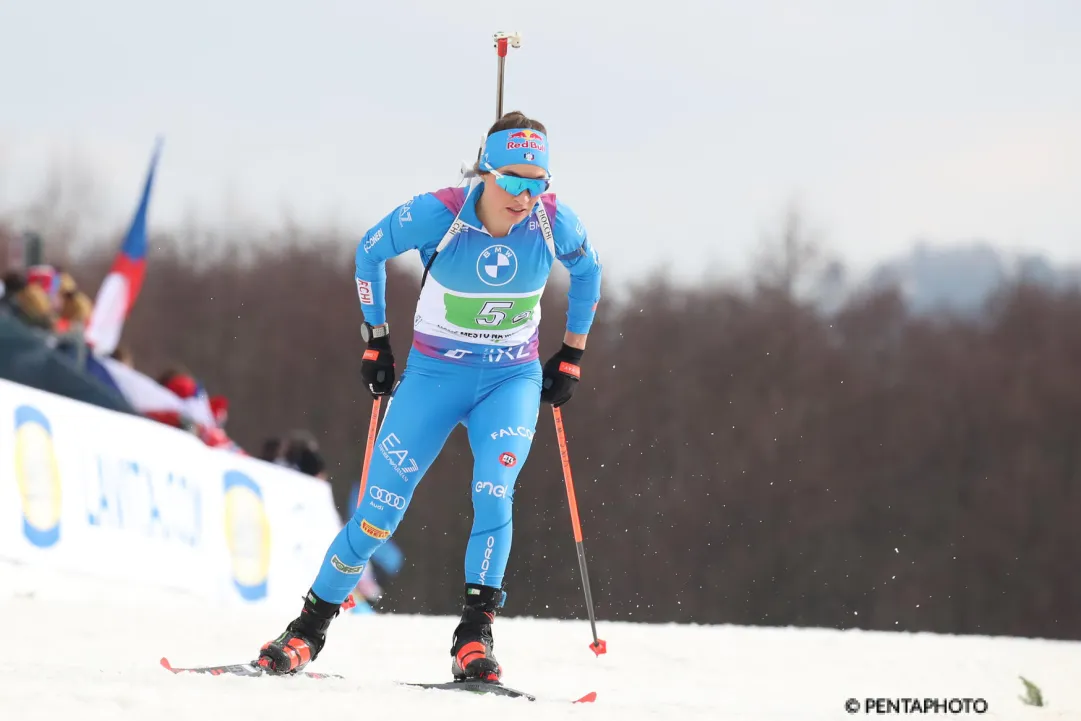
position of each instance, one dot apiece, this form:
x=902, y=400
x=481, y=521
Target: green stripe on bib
x=489, y=313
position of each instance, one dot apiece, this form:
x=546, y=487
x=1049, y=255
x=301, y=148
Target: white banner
x=124, y=498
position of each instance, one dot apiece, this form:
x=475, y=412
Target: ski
x=481, y=687
x=239, y=669
x=251, y=670
x=487, y=687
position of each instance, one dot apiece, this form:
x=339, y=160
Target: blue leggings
x=499, y=406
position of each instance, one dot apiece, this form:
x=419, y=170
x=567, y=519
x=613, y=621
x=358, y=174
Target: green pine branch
x=1033, y=696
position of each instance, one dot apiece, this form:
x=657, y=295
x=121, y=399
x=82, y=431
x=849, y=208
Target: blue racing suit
x=474, y=361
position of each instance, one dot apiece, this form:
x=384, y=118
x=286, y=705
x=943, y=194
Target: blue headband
x=515, y=146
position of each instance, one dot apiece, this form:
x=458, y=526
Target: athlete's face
x=504, y=204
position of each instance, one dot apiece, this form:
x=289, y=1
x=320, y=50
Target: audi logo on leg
x=384, y=496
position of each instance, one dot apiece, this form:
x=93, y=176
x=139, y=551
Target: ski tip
x=588, y=698
x=165, y=664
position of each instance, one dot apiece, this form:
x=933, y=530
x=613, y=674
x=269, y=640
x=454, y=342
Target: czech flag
x=121, y=286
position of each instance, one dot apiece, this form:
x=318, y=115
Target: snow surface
x=76, y=649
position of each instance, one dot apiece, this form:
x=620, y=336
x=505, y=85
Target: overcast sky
x=679, y=130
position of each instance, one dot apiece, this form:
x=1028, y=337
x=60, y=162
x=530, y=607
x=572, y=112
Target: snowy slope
x=78, y=650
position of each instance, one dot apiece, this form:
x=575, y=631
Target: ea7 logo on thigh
x=508, y=459
x=398, y=457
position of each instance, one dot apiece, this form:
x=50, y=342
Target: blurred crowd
x=47, y=300
x=44, y=316
x=45, y=297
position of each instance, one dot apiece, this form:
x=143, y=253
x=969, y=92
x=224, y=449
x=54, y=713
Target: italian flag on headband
x=121, y=286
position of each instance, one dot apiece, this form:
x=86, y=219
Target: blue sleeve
x=579, y=257
x=414, y=225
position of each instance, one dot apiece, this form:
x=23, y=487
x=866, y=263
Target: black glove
x=377, y=366
x=561, y=374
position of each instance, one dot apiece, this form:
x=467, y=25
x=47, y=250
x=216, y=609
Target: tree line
x=740, y=455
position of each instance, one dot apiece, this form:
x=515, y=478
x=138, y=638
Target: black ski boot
x=303, y=639
x=471, y=649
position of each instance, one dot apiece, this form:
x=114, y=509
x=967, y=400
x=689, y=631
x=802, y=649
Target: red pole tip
x=501, y=47
x=599, y=647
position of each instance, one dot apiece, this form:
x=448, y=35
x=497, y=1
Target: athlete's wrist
x=575, y=340
x=570, y=353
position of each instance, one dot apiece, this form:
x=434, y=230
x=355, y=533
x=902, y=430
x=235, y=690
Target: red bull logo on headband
x=516, y=145
x=525, y=140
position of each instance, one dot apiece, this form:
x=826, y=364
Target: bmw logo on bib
x=497, y=265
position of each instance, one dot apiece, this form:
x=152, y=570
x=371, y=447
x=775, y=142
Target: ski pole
x=373, y=431
x=502, y=41
x=598, y=646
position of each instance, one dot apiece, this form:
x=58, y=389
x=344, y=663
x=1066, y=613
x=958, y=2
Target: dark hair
x=272, y=448
x=123, y=354
x=516, y=119
x=172, y=372
x=301, y=451
x=513, y=119
x=14, y=281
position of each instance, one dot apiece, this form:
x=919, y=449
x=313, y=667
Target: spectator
x=302, y=453
x=272, y=451
x=47, y=278
x=31, y=304
x=12, y=283
x=219, y=407
x=179, y=381
x=10, y=286
x=124, y=355
x=75, y=306
x=203, y=414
